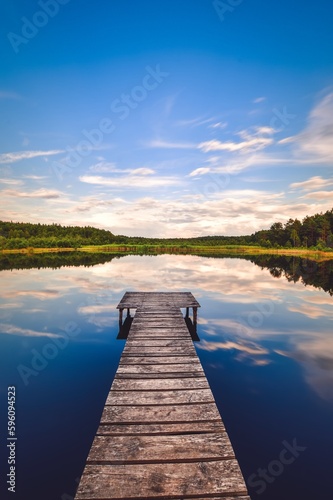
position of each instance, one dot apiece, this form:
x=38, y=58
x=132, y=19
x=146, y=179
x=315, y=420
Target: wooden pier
x=161, y=435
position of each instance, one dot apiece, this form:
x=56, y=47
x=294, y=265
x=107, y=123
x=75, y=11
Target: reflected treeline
x=308, y=272
x=54, y=260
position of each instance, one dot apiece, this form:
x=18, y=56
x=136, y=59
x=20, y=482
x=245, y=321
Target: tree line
x=314, y=231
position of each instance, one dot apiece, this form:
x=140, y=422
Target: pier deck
x=161, y=435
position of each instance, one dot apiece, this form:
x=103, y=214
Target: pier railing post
x=195, y=315
x=120, y=317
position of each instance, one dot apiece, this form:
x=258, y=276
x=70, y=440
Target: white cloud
x=257, y=100
x=253, y=140
x=221, y=125
x=319, y=195
x=103, y=167
x=11, y=182
x=39, y=193
x=200, y=171
x=158, y=143
x=312, y=183
x=137, y=179
x=316, y=140
x=27, y=155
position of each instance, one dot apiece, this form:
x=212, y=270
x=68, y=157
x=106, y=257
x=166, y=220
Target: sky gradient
x=168, y=118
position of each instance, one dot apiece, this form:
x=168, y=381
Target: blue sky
x=166, y=118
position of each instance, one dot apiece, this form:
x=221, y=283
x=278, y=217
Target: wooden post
x=120, y=317
x=195, y=315
x=128, y=312
x=187, y=312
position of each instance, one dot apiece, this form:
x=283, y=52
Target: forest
x=314, y=232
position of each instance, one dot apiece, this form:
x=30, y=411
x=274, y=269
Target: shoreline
x=317, y=255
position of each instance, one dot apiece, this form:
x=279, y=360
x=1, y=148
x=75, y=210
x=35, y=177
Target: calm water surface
x=266, y=347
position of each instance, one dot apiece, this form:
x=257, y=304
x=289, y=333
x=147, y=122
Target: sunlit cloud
x=134, y=180
x=310, y=311
x=315, y=182
x=316, y=140
x=39, y=193
x=27, y=155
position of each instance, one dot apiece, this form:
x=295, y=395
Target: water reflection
x=266, y=346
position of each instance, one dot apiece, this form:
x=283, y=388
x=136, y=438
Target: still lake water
x=266, y=345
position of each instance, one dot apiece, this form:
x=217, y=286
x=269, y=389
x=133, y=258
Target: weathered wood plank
x=171, y=384
x=194, y=367
x=160, y=397
x=160, y=413
x=122, y=481
x=133, y=342
x=159, y=359
x=150, y=449
x=183, y=350
x=165, y=428
x=163, y=375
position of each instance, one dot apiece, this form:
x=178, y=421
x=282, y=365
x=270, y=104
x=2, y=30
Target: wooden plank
x=160, y=413
x=171, y=384
x=150, y=342
x=161, y=359
x=160, y=397
x=200, y=478
x=160, y=449
x=163, y=375
x=165, y=428
x=185, y=350
x=193, y=367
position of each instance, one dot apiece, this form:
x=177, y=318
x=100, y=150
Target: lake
x=266, y=345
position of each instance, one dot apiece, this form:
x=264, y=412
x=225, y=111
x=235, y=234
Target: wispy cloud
x=138, y=178
x=11, y=182
x=103, y=167
x=39, y=193
x=316, y=140
x=158, y=143
x=220, y=125
x=258, y=100
x=9, y=95
x=25, y=332
x=315, y=182
x=194, y=122
x=200, y=171
x=27, y=155
x=252, y=141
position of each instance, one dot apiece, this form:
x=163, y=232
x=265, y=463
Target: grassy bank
x=317, y=255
